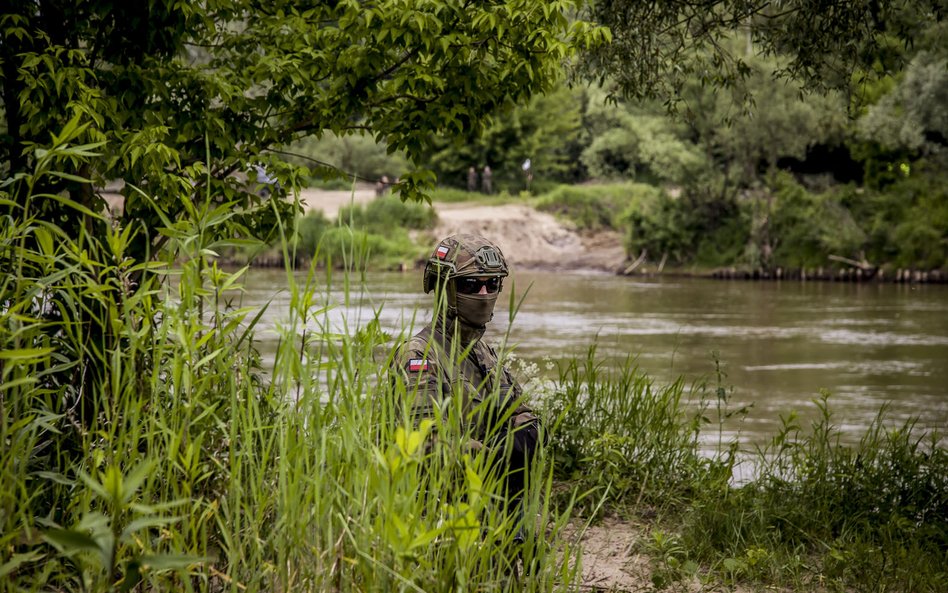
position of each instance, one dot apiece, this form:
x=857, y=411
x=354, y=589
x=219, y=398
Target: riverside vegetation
x=144, y=444
x=146, y=447
x=685, y=230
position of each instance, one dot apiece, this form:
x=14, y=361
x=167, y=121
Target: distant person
x=527, y=167
x=486, y=180
x=472, y=179
x=381, y=186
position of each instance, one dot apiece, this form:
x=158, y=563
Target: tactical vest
x=435, y=369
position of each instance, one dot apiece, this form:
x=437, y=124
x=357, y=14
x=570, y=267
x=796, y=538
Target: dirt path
x=609, y=560
x=529, y=239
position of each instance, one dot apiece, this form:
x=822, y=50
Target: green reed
x=817, y=512
x=871, y=516
x=146, y=446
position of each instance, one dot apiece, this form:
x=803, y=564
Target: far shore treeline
x=833, y=185
x=146, y=446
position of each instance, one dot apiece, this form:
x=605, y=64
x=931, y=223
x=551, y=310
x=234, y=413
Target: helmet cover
x=464, y=255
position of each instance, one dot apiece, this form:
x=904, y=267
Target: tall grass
x=874, y=515
x=145, y=447
x=619, y=434
x=815, y=512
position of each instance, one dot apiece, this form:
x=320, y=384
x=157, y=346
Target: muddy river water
x=779, y=343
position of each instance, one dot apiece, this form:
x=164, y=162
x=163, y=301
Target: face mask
x=476, y=309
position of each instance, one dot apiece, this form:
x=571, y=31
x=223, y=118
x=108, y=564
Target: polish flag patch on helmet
x=442, y=251
x=418, y=364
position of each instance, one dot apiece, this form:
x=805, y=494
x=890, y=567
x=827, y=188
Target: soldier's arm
x=422, y=379
x=521, y=422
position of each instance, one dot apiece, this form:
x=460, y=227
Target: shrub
x=806, y=228
x=907, y=222
x=640, y=147
x=310, y=229
x=342, y=246
x=697, y=226
x=376, y=233
x=384, y=213
x=596, y=207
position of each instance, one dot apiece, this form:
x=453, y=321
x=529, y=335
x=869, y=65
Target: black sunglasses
x=473, y=285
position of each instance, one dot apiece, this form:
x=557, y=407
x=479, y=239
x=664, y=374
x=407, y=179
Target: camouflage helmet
x=463, y=255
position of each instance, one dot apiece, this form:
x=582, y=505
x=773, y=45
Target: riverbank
x=530, y=239
x=535, y=240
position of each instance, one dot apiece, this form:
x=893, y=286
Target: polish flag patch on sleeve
x=442, y=251
x=418, y=364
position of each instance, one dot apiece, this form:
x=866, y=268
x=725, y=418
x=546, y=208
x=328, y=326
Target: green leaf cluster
x=184, y=98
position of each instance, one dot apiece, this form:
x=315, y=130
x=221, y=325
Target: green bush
x=907, y=221
x=904, y=224
x=806, y=228
x=310, y=229
x=698, y=226
x=385, y=213
x=342, y=246
x=596, y=207
x=375, y=234
x=920, y=244
x=660, y=228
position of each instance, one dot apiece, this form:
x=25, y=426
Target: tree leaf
x=161, y=562
x=70, y=541
x=17, y=560
x=146, y=523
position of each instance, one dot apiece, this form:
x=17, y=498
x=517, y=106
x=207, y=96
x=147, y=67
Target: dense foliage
x=877, y=129
x=182, y=99
x=148, y=445
x=145, y=442
x=660, y=48
x=377, y=231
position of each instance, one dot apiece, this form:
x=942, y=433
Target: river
x=779, y=343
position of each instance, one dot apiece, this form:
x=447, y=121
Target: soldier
x=448, y=359
x=486, y=177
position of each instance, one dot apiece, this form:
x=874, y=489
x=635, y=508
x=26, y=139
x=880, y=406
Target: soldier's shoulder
x=486, y=353
x=417, y=356
x=416, y=346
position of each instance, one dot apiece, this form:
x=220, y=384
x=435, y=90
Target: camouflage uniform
x=448, y=359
